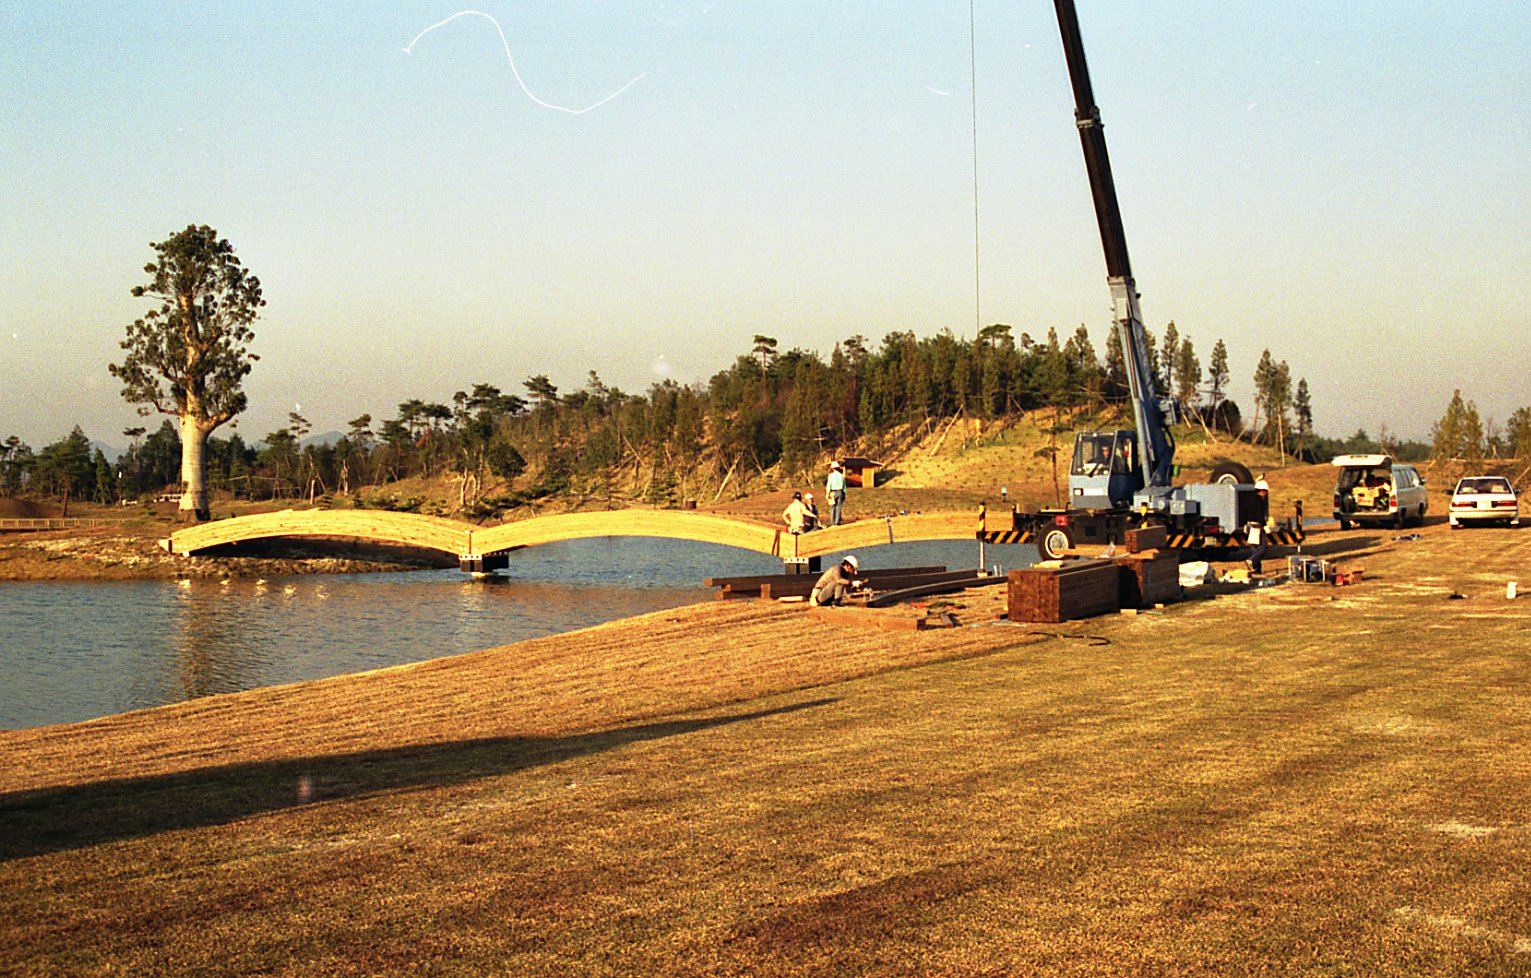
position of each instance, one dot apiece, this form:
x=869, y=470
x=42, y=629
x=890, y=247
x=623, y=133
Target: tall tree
x=1449, y=434
x=1517, y=432
x=1218, y=374
x=765, y=349
x=1187, y=375
x=189, y=357
x=1116, y=366
x=1169, y=355
x=1302, y=405
x=1265, y=378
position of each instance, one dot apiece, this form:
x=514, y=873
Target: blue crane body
x=1123, y=480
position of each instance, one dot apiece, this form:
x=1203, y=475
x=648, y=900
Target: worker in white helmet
x=835, y=584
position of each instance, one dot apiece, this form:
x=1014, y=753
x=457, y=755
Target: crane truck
x=1122, y=480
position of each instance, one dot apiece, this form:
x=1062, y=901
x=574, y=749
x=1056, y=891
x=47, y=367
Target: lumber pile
x=788, y=585
x=1148, y=578
x=1143, y=538
x=1060, y=591
x=801, y=585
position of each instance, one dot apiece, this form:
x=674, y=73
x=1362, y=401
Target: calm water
x=73, y=651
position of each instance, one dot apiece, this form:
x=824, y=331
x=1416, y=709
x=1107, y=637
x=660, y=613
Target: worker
x=834, y=486
x=794, y=514
x=835, y=584
x=810, y=513
x=1254, y=535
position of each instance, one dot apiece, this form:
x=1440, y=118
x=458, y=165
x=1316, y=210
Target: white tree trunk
x=193, y=472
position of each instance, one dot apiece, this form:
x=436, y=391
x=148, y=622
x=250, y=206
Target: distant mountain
x=328, y=438
x=111, y=452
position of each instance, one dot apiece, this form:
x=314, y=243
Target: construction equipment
x=1120, y=481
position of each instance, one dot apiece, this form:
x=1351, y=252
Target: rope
x=973, y=71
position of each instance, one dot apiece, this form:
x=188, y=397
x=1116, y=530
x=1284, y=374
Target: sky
x=1344, y=184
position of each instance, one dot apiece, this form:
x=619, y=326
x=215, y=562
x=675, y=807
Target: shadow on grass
x=50, y=820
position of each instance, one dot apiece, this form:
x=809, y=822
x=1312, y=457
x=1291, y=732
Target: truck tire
x=1054, y=542
x=1231, y=473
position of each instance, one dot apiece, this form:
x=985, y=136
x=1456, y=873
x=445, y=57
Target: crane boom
x=1152, y=415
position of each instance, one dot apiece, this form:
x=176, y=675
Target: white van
x=1371, y=489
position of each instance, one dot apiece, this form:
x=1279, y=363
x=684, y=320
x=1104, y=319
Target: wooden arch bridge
x=487, y=548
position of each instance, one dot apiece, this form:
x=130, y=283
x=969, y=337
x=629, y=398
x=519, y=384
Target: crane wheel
x=1054, y=543
x=1232, y=474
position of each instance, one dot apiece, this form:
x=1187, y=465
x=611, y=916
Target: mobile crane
x=1121, y=480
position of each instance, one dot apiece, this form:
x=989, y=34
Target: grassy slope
x=1286, y=781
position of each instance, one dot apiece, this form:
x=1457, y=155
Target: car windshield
x=1475, y=486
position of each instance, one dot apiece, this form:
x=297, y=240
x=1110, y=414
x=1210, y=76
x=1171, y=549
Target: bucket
x=1509, y=590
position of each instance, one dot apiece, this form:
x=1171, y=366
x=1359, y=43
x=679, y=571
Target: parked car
x=1372, y=490
x=1484, y=499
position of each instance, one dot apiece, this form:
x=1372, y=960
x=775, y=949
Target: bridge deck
x=461, y=539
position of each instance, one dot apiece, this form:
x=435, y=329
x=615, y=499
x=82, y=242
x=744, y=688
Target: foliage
x=773, y=414
x=189, y=357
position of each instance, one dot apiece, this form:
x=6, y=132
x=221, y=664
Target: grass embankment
x=1292, y=780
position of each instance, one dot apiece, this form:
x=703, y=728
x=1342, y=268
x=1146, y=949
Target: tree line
x=770, y=412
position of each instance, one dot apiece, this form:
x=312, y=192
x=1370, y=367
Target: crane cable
x=973, y=71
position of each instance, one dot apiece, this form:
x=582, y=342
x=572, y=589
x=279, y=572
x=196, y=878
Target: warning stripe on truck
x=1006, y=536
x=1178, y=541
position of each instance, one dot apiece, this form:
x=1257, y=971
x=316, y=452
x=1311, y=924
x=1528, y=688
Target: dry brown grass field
x=1292, y=780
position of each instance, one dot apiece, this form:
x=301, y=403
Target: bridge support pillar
x=802, y=565
x=483, y=563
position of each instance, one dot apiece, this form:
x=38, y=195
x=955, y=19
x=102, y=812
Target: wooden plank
x=882, y=582
x=731, y=593
x=775, y=578
x=1146, y=538
x=1077, y=589
x=888, y=598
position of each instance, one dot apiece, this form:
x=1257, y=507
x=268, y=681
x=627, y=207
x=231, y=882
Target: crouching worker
x=835, y=584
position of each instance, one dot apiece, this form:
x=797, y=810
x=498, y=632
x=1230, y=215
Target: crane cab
x=1106, y=470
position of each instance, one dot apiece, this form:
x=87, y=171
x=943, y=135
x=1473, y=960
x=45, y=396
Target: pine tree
x=1517, y=432
x=1116, y=366
x=1187, y=375
x=1169, y=355
x=1448, y=433
x=1218, y=374
x=1302, y=404
x=1265, y=375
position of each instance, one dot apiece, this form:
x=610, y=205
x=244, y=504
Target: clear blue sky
x=1344, y=183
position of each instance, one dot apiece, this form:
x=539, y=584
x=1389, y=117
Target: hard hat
x=851, y=559
x=836, y=464
x=807, y=495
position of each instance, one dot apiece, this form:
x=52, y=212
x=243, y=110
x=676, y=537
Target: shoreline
x=107, y=553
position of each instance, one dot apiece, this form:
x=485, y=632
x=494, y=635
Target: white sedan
x=1484, y=499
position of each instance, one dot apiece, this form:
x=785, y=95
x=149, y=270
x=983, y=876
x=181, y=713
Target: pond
x=74, y=651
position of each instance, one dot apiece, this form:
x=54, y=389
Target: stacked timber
x=1060, y=591
x=894, y=579
x=1149, y=578
x=1144, y=538
x=799, y=585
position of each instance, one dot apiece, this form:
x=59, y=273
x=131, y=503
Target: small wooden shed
x=860, y=472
